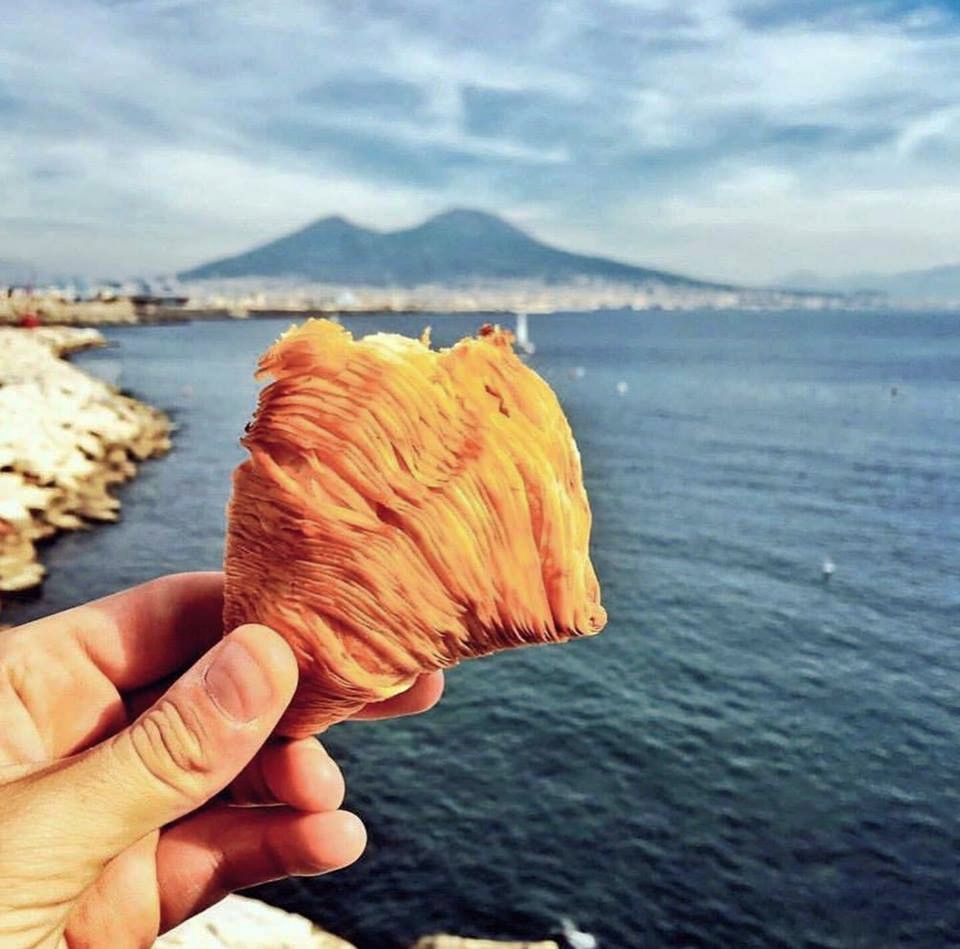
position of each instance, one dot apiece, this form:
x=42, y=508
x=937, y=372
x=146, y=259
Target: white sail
x=524, y=343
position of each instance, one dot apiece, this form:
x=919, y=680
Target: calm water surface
x=747, y=756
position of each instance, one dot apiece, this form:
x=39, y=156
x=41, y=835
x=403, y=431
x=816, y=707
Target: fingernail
x=236, y=683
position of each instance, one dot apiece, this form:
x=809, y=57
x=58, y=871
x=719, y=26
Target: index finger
x=136, y=637
x=422, y=695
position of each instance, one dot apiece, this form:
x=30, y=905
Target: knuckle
x=170, y=743
x=25, y=699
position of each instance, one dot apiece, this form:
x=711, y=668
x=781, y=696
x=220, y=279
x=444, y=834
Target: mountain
x=810, y=280
x=931, y=285
x=453, y=247
x=935, y=284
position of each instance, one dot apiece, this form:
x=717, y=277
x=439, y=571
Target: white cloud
x=752, y=186
x=789, y=70
x=940, y=124
x=758, y=232
x=657, y=120
x=691, y=135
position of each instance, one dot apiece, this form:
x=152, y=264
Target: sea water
x=752, y=753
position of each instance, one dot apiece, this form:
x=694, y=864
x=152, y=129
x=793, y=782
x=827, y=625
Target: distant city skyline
x=736, y=140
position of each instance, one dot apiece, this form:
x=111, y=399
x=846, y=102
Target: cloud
x=384, y=98
x=941, y=126
x=770, y=220
x=736, y=138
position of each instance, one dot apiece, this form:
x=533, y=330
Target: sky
x=731, y=139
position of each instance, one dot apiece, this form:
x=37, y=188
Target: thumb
x=182, y=751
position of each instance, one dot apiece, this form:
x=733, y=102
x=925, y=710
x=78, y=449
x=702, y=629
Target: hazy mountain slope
x=934, y=284
x=455, y=246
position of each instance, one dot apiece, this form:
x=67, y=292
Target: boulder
x=65, y=439
x=238, y=922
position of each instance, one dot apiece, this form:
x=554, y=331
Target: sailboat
x=524, y=343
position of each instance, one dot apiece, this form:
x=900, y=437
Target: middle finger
x=298, y=773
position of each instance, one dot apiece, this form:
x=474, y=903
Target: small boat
x=524, y=343
x=827, y=568
x=622, y=388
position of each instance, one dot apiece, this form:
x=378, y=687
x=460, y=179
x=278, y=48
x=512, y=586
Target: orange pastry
x=402, y=509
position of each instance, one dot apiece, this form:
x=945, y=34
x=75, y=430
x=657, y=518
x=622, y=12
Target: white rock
x=65, y=437
x=241, y=923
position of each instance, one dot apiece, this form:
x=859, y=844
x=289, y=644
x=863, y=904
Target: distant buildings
x=584, y=294
x=243, y=297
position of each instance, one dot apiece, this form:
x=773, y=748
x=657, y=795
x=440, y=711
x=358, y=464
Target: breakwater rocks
x=51, y=308
x=238, y=922
x=65, y=439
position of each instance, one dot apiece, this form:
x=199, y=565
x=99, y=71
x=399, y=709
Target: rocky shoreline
x=238, y=922
x=66, y=439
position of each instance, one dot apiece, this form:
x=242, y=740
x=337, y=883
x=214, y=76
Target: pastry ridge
x=403, y=509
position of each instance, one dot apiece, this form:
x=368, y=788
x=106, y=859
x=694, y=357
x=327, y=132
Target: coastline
x=256, y=298
x=239, y=922
x=66, y=438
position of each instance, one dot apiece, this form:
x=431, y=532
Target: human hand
x=113, y=827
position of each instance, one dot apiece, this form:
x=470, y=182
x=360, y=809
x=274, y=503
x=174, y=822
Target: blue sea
x=748, y=755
